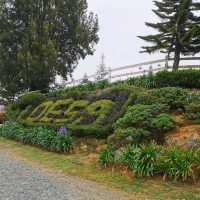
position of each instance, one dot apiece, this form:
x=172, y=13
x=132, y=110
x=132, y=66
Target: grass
x=154, y=189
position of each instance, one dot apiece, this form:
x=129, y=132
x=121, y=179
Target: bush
x=175, y=98
x=30, y=99
x=141, y=115
x=42, y=137
x=163, y=123
x=142, y=123
x=129, y=156
x=144, y=81
x=192, y=111
x=146, y=163
x=181, y=78
x=122, y=137
x=107, y=157
x=178, y=163
x=142, y=160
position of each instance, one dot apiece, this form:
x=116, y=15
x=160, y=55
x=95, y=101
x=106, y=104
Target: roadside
x=68, y=168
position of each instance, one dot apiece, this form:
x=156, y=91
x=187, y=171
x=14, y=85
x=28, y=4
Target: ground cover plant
x=42, y=137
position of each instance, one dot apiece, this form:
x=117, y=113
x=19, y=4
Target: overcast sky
x=120, y=24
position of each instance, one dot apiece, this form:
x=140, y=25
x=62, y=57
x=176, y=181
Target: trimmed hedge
x=91, y=115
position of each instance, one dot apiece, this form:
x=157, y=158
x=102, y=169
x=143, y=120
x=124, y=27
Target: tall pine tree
x=40, y=39
x=178, y=31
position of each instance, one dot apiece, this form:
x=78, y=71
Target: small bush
x=107, y=157
x=192, y=111
x=144, y=81
x=175, y=98
x=122, y=137
x=146, y=163
x=141, y=115
x=42, y=137
x=129, y=156
x=163, y=123
x=30, y=99
x=178, y=163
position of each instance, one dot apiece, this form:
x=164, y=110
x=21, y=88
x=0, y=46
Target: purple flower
x=63, y=130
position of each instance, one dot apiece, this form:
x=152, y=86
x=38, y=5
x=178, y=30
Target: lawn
x=80, y=165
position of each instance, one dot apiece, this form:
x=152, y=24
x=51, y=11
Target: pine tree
x=178, y=31
x=102, y=72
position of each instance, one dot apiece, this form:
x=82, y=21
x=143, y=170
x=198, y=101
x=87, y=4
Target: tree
x=40, y=39
x=102, y=72
x=178, y=31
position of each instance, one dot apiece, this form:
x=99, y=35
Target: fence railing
x=140, y=69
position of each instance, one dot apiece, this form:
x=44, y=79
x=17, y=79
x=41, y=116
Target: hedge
x=91, y=115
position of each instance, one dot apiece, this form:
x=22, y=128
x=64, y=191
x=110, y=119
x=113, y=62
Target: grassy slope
x=73, y=165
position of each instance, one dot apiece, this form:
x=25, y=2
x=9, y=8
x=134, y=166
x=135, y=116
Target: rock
x=188, y=136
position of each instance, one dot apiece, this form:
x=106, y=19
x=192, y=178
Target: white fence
x=140, y=69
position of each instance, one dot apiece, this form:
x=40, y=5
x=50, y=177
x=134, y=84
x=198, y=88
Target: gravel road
x=21, y=181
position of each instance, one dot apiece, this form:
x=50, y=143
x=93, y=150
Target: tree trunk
x=177, y=57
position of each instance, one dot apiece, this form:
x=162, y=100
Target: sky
x=120, y=24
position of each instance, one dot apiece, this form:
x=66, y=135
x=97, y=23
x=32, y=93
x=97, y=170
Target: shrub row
x=42, y=137
x=182, y=78
x=151, y=160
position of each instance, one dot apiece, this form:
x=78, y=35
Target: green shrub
x=122, y=137
x=129, y=156
x=175, y=98
x=107, y=157
x=192, y=111
x=102, y=84
x=12, y=111
x=140, y=115
x=144, y=81
x=146, y=98
x=181, y=78
x=178, y=163
x=30, y=99
x=163, y=123
x=142, y=123
x=42, y=137
x=146, y=163
x=142, y=160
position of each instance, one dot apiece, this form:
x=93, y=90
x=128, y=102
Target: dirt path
x=21, y=181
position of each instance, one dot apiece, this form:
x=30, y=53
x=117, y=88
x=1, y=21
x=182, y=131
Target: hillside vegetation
x=136, y=122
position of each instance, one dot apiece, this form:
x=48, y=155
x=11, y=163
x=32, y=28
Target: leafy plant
x=177, y=163
x=129, y=156
x=39, y=136
x=192, y=111
x=107, y=157
x=163, y=123
x=146, y=163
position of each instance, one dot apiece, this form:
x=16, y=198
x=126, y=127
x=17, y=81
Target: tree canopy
x=40, y=39
x=178, y=30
